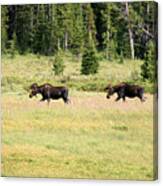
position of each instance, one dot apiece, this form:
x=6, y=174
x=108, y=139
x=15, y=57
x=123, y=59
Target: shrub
x=121, y=58
x=58, y=64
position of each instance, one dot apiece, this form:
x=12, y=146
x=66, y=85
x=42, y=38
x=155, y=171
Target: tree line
x=119, y=30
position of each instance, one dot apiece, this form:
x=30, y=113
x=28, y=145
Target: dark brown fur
x=48, y=92
x=124, y=90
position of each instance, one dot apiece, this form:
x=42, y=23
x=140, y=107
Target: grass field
x=20, y=72
x=91, y=137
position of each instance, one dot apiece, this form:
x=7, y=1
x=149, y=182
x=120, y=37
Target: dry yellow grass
x=90, y=138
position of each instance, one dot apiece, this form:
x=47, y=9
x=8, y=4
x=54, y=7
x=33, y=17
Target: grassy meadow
x=91, y=137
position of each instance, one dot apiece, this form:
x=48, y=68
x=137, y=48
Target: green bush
x=121, y=58
x=58, y=64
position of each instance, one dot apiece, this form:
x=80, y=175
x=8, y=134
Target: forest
x=113, y=30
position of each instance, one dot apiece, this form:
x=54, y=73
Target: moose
x=48, y=92
x=124, y=90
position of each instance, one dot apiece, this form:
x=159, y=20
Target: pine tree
x=42, y=36
x=77, y=40
x=148, y=69
x=4, y=27
x=65, y=24
x=12, y=46
x=108, y=33
x=122, y=36
x=89, y=23
x=89, y=59
x=23, y=28
x=58, y=64
x=55, y=31
x=44, y=29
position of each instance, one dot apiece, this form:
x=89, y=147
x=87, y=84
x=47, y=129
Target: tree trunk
x=108, y=56
x=130, y=32
x=66, y=40
x=58, y=44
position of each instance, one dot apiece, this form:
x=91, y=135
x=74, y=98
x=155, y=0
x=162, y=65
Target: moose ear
x=106, y=88
x=33, y=86
x=109, y=86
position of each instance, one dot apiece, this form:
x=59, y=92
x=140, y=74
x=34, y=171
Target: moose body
x=124, y=90
x=49, y=92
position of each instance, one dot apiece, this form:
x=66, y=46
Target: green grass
x=21, y=71
x=90, y=138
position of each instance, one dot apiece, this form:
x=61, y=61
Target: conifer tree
x=89, y=59
x=78, y=30
x=115, y=28
x=22, y=27
x=65, y=24
x=108, y=33
x=148, y=69
x=4, y=27
x=42, y=34
x=58, y=64
x=12, y=46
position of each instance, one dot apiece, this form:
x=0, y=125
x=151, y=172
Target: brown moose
x=124, y=90
x=48, y=92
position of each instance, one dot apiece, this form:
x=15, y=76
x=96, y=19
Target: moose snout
x=30, y=95
x=108, y=97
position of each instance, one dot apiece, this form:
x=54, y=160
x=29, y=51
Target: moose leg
x=48, y=101
x=142, y=99
x=65, y=97
x=124, y=99
x=43, y=99
x=66, y=100
x=140, y=95
x=118, y=98
x=120, y=95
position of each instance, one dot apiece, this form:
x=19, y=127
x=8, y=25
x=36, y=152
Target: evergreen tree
x=12, y=46
x=122, y=36
x=65, y=24
x=114, y=28
x=23, y=28
x=58, y=64
x=89, y=24
x=55, y=30
x=89, y=59
x=78, y=30
x=143, y=16
x=108, y=32
x=148, y=69
x=4, y=27
x=42, y=34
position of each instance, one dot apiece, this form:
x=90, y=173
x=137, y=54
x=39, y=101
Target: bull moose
x=124, y=90
x=48, y=92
